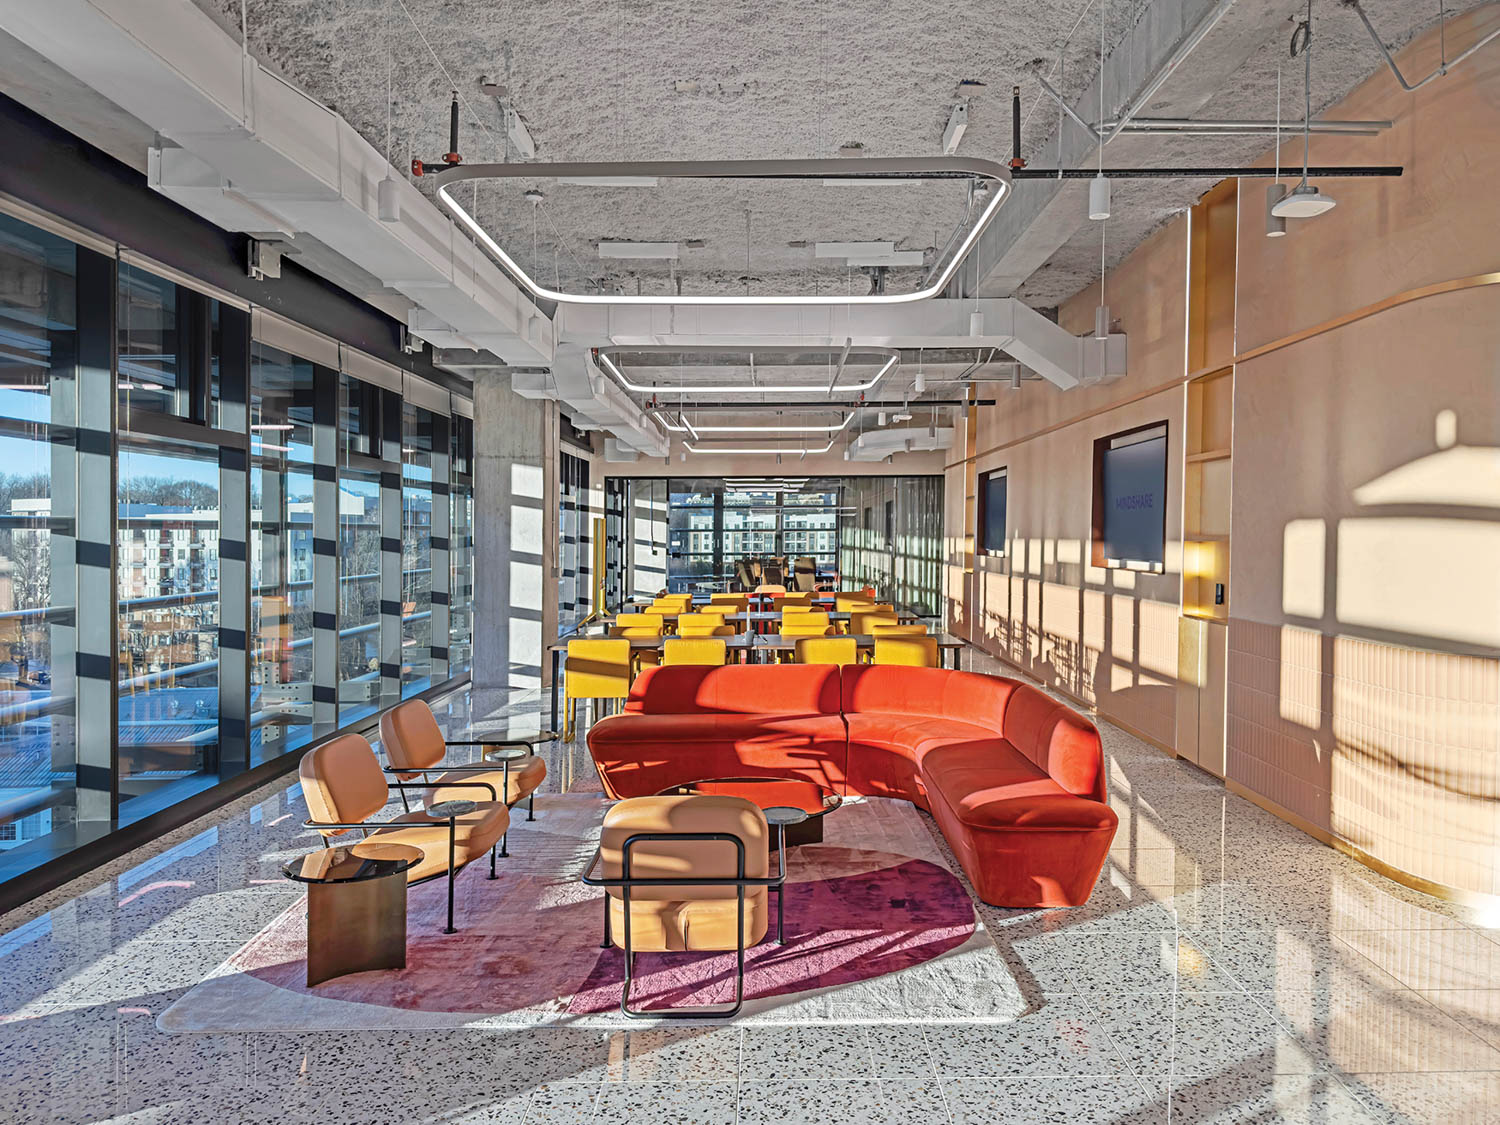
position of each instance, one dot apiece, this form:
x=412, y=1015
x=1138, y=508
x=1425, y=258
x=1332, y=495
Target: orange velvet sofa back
x=736, y=689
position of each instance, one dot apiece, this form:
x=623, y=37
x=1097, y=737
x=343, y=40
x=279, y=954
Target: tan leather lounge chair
x=345, y=786
x=684, y=874
x=414, y=746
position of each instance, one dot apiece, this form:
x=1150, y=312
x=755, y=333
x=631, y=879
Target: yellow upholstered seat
x=851, y=603
x=638, y=625
x=694, y=650
x=827, y=650
x=879, y=629
x=807, y=624
x=918, y=652
x=595, y=668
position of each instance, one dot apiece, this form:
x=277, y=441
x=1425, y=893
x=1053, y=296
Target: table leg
x=781, y=890
x=355, y=927
x=555, y=654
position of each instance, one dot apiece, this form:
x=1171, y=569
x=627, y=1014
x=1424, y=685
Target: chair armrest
x=447, y=785
x=683, y=881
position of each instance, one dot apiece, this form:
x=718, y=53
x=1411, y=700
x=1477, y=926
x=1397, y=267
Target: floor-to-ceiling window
x=281, y=552
x=167, y=534
x=573, y=593
x=38, y=490
x=419, y=430
x=217, y=541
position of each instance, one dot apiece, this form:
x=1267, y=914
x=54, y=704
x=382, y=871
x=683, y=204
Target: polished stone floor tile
x=563, y=1103
x=1231, y=1098
x=1382, y=1031
x=806, y=1052
x=1303, y=960
x=1202, y=1033
x=1409, y=1099
x=1062, y=1038
x=690, y=1103
x=841, y=1102
x=1430, y=959
x=1477, y=1009
x=667, y=1055
x=1047, y=1101
x=1106, y=963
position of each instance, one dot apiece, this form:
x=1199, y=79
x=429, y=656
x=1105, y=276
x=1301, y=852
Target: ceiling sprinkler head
x=533, y=196
x=696, y=243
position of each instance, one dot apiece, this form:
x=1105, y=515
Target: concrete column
x=515, y=540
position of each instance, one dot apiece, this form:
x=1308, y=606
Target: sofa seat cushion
x=993, y=785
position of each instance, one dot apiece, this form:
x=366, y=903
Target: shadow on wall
x=1103, y=636
x=1375, y=712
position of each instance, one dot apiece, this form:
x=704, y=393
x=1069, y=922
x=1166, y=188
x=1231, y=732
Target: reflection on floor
x=1228, y=968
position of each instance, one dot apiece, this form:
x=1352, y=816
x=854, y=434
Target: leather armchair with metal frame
x=415, y=747
x=643, y=843
x=344, y=786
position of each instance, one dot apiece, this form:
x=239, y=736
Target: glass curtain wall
x=38, y=491
x=212, y=550
x=574, y=597
x=712, y=526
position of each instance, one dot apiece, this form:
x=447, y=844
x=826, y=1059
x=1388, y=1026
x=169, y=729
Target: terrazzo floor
x=1227, y=969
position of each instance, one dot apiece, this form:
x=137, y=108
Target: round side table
x=356, y=907
x=782, y=816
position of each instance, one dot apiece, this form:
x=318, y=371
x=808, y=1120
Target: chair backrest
x=597, y=668
x=774, y=573
x=914, y=630
x=801, y=598
x=742, y=573
x=712, y=859
x=739, y=602
x=638, y=625
x=915, y=652
x=827, y=650
x=805, y=575
x=796, y=609
x=410, y=737
x=694, y=650
x=770, y=588
x=849, y=603
x=861, y=621
x=673, y=600
x=806, y=625
x=342, y=781
x=703, y=625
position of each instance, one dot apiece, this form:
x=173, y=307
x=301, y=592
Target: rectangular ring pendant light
x=643, y=171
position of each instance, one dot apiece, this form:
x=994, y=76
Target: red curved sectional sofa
x=1014, y=780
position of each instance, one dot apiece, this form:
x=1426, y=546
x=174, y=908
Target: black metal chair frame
x=474, y=767
x=740, y=881
x=366, y=825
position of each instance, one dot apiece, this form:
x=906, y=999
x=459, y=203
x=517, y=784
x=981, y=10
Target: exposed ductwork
x=877, y=445
x=594, y=400
x=251, y=153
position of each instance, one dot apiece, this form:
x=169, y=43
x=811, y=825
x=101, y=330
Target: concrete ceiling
x=672, y=79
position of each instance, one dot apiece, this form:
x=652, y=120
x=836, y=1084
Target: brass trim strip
x=1474, y=281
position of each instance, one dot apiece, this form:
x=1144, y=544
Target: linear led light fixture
x=747, y=388
x=870, y=181
x=804, y=451
x=695, y=430
x=608, y=181
x=638, y=171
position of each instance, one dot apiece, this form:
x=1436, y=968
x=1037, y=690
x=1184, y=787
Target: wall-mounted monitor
x=1130, y=499
x=992, y=493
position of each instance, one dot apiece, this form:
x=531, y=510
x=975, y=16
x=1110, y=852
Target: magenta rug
x=860, y=921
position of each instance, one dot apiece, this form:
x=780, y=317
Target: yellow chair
x=915, y=630
x=638, y=625
x=770, y=588
x=703, y=625
x=694, y=650
x=796, y=600
x=681, y=603
x=863, y=622
x=740, y=602
x=851, y=603
x=916, y=652
x=809, y=624
x=827, y=650
x=595, y=668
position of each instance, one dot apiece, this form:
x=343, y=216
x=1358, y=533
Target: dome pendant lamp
x=1304, y=201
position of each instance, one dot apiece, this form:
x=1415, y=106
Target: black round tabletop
x=784, y=815
x=444, y=809
x=368, y=859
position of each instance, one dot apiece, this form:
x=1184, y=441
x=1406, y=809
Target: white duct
x=251, y=153
x=877, y=445
x=594, y=400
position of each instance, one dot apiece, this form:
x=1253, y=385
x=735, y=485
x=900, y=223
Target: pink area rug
x=861, y=918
